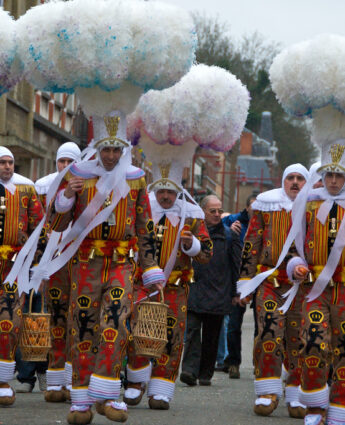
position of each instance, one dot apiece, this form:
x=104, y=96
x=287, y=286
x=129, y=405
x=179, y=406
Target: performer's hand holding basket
x=150, y=331
x=35, y=341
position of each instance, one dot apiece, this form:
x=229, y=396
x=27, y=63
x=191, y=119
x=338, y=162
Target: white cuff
x=63, y=204
x=194, y=249
x=290, y=267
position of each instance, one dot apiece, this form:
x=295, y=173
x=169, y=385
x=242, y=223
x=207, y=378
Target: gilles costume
x=20, y=213
x=277, y=332
x=102, y=268
x=169, y=125
x=308, y=81
x=323, y=324
x=59, y=373
x=161, y=376
x=109, y=66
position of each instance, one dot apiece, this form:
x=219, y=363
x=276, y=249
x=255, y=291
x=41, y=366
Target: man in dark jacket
x=210, y=297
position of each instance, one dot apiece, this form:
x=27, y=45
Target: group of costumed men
x=293, y=255
x=103, y=242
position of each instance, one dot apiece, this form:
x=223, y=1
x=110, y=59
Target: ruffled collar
x=16, y=179
x=174, y=213
x=42, y=185
x=273, y=200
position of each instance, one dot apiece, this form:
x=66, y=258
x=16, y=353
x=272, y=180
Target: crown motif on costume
x=336, y=152
x=84, y=346
x=55, y=293
x=6, y=326
x=110, y=335
x=171, y=321
x=84, y=301
x=58, y=332
x=117, y=293
x=164, y=170
x=10, y=289
x=112, y=124
x=270, y=305
x=316, y=316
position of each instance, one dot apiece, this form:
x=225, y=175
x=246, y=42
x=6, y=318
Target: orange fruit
x=302, y=269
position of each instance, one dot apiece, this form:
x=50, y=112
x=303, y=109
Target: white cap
x=5, y=152
x=68, y=150
x=295, y=168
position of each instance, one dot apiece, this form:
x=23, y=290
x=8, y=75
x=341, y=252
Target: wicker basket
x=150, y=331
x=34, y=341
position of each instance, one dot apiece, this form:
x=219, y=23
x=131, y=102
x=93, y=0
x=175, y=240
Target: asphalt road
x=227, y=402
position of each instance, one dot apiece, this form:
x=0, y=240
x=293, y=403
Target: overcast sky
x=285, y=21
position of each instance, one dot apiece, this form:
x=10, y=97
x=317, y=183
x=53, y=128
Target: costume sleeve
x=194, y=250
x=252, y=246
x=145, y=230
x=59, y=221
x=43, y=199
x=35, y=215
x=35, y=211
x=199, y=230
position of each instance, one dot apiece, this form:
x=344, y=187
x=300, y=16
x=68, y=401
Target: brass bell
x=159, y=237
x=276, y=284
x=92, y=254
x=13, y=259
x=131, y=253
x=2, y=203
x=177, y=282
x=107, y=202
x=115, y=256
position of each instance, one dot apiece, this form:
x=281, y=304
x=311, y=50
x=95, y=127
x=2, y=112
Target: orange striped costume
x=20, y=213
x=165, y=369
x=277, y=332
x=323, y=325
x=101, y=286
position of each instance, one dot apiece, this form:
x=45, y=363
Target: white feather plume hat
x=308, y=79
x=208, y=107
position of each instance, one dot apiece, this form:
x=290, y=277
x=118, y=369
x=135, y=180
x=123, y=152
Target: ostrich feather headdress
x=207, y=108
x=11, y=70
x=109, y=52
x=309, y=80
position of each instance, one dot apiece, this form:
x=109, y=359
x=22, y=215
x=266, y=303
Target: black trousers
x=234, y=335
x=201, y=344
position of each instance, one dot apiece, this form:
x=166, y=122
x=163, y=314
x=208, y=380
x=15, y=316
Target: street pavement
x=226, y=402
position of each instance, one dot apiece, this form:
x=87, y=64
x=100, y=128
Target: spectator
x=210, y=296
x=233, y=330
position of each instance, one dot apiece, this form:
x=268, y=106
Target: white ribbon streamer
x=21, y=267
x=333, y=259
x=246, y=287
